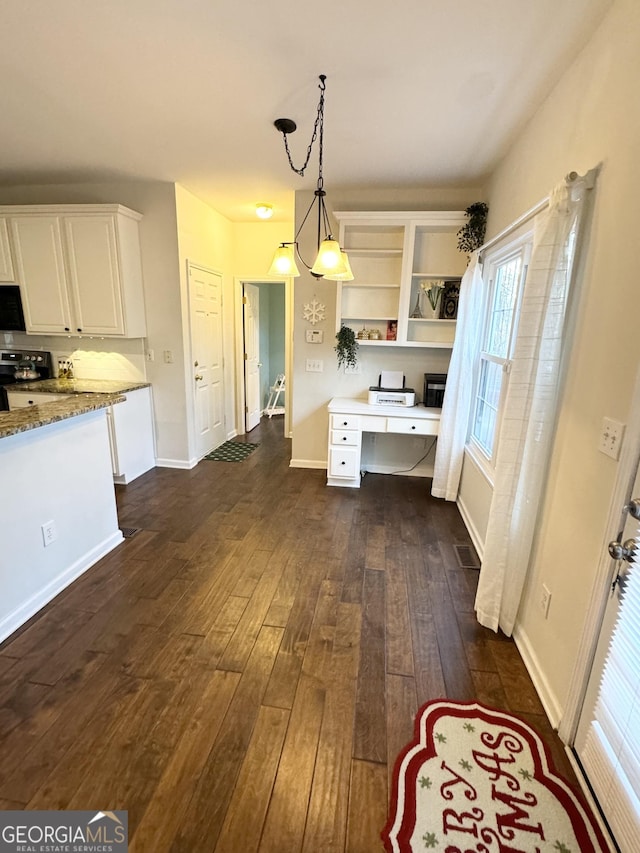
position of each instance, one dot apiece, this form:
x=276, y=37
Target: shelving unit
x=391, y=253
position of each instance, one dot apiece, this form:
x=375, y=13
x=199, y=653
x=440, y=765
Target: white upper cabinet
x=79, y=268
x=6, y=265
x=394, y=257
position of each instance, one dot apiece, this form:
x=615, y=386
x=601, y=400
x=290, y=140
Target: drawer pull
x=344, y=437
x=345, y=423
x=343, y=462
x=413, y=427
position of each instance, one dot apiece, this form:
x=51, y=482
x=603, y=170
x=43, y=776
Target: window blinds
x=612, y=746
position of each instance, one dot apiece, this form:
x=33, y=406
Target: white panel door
x=608, y=737
x=205, y=298
x=252, y=356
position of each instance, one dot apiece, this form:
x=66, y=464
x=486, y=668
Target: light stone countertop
x=32, y=417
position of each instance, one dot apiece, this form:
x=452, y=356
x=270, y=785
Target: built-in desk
x=350, y=418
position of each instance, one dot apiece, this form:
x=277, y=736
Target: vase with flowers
x=433, y=290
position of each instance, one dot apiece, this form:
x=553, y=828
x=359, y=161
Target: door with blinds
x=608, y=738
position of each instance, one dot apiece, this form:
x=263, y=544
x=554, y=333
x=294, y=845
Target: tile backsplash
x=92, y=358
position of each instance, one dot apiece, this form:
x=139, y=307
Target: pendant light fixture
x=331, y=262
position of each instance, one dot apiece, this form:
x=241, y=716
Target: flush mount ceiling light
x=264, y=211
x=331, y=262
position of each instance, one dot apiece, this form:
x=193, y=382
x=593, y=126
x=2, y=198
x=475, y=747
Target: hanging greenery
x=471, y=235
x=347, y=347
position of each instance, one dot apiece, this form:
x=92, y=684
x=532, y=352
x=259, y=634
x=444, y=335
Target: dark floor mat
x=231, y=451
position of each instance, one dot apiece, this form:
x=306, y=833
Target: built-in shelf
x=390, y=252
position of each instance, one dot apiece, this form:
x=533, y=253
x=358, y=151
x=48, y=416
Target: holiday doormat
x=478, y=780
x=231, y=451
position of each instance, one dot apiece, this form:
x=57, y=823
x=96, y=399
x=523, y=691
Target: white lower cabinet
x=131, y=436
x=345, y=438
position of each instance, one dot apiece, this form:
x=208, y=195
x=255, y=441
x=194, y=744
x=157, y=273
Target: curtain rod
x=533, y=211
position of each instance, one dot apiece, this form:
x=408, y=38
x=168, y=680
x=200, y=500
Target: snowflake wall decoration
x=314, y=311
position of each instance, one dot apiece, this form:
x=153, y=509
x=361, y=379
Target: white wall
x=312, y=391
x=590, y=118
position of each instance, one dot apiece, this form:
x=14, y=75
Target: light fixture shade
x=329, y=261
x=264, y=211
x=347, y=275
x=284, y=262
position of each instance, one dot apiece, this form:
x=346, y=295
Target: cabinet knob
x=78, y=330
x=344, y=437
x=344, y=423
x=413, y=427
x=67, y=329
x=343, y=463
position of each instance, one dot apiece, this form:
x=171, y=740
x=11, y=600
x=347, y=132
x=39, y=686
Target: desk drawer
x=345, y=422
x=345, y=437
x=344, y=463
x=411, y=426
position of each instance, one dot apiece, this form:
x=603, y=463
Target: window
x=504, y=270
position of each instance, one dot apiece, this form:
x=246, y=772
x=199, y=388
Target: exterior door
x=608, y=737
x=205, y=303
x=252, y=365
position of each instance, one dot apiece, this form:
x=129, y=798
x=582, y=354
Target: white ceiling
x=419, y=92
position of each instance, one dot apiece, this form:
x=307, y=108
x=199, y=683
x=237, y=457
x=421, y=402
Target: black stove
x=9, y=361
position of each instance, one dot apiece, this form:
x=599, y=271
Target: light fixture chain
x=318, y=125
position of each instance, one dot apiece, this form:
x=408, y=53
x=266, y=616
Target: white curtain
x=456, y=408
x=529, y=413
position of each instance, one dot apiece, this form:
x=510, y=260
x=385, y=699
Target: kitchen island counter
x=60, y=516
x=79, y=386
x=32, y=417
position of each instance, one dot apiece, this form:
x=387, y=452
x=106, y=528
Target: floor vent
x=128, y=532
x=466, y=557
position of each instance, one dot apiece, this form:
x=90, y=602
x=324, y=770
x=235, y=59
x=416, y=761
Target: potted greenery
x=347, y=347
x=471, y=235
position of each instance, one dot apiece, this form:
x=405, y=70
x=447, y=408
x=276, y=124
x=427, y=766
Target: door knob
x=623, y=550
x=633, y=508
x=198, y=377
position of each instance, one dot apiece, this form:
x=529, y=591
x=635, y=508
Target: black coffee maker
x=434, y=385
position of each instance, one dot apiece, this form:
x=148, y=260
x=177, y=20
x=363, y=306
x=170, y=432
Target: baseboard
x=307, y=463
x=548, y=698
x=472, y=530
x=184, y=464
x=29, y=608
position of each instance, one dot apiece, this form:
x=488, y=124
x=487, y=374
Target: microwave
x=11, y=313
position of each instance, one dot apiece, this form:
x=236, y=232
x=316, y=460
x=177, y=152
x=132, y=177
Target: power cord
x=407, y=470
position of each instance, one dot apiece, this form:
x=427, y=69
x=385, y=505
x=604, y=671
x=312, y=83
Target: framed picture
x=392, y=329
x=449, y=300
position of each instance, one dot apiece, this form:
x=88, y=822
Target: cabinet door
x=6, y=265
x=94, y=274
x=40, y=271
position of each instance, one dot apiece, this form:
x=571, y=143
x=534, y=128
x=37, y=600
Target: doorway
x=265, y=344
x=601, y=722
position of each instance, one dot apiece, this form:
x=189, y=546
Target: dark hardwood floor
x=242, y=672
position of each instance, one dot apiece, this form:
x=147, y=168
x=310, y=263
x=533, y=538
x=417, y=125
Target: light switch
x=314, y=365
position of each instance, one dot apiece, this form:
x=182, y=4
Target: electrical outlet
x=611, y=437
x=49, y=533
x=151, y=355
x=545, y=600
x=314, y=365
x=353, y=369
x=168, y=356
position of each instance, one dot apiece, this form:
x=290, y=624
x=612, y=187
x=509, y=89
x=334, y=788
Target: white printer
x=391, y=391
